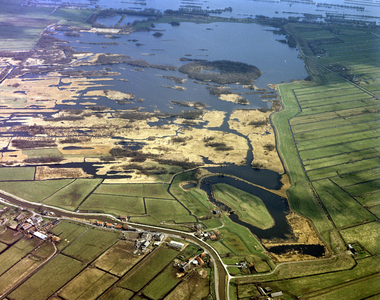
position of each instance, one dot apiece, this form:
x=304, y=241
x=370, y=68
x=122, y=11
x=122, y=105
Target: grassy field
x=35, y=191
x=22, y=25
x=168, y=210
x=162, y=284
x=152, y=190
x=70, y=196
x=13, y=254
x=24, y=173
x=343, y=209
x=195, y=199
x=118, y=259
x=147, y=269
x=114, y=204
x=91, y=244
x=117, y=293
x=367, y=235
x=68, y=232
x=25, y=266
x=49, y=279
x=249, y=208
x=89, y=284
x=239, y=239
x=9, y=236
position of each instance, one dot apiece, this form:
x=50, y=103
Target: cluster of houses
x=186, y=266
x=146, y=238
x=29, y=224
x=109, y=225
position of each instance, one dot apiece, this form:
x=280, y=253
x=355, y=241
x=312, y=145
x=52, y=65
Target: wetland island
x=189, y=150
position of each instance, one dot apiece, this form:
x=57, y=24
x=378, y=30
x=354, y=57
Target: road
x=220, y=269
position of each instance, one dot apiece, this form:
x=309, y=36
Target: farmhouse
x=118, y=226
x=109, y=225
x=98, y=223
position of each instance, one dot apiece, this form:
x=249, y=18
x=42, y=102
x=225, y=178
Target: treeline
x=225, y=71
x=31, y=144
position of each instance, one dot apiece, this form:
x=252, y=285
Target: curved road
x=220, y=270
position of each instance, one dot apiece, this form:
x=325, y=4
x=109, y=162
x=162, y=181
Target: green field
x=150, y=190
x=366, y=235
x=162, y=284
x=118, y=259
x=89, y=284
x=114, y=204
x=343, y=209
x=24, y=173
x=35, y=191
x=117, y=293
x=9, y=236
x=68, y=232
x=22, y=25
x=147, y=269
x=70, y=196
x=249, y=208
x=13, y=254
x=91, y=244
x=168, y=210
x=49, y=279
x=26, y=265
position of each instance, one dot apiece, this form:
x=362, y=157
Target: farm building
x=109, y=225
x=175, y=245
x=40, y=235
x=158, y=237
x=200, y=260
x=118, y=226
x=98, y=223
x=276, y=294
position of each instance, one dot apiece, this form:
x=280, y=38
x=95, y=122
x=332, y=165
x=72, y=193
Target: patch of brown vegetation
x=45, y=172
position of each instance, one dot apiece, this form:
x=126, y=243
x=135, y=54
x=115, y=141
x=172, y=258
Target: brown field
x=118, y=259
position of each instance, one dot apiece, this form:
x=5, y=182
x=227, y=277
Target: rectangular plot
x=152, y=190
x=68, y=232
x=48, y=279
x=336, y=140
x=20, y=173
x=119, y=258
x=117, y=293
x=328, y=94
x=337, y=100
x=13, y=254
x=335, y=131
x=114, y=204
x=363, y=188
x=146, y=270
x=91, y=244
x=337, y=107
x=322, y=88
x=35, y=191
x=162, y=284
x=340, y=159
x=343, y=209
x=313, y=118
x=89, y=284
x=369, y=199
x=168, y=210
x=73, y=194
x=365, y=117
x=375, y=210
x=367, y=235
x=339, y=149
x=358, y=177
x=338, y=170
